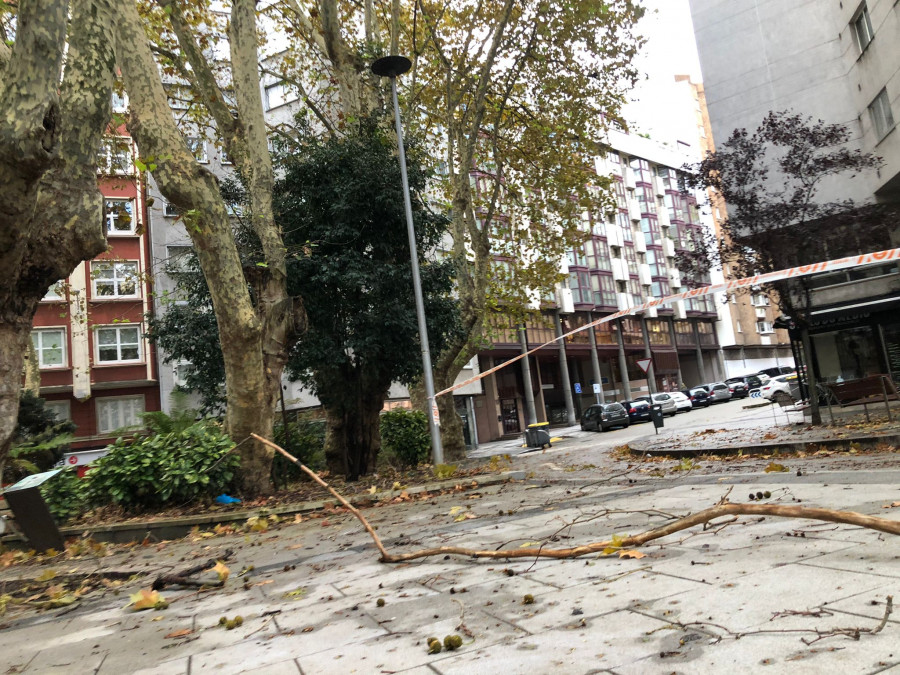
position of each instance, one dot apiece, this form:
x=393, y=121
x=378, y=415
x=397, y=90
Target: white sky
x=657, y=106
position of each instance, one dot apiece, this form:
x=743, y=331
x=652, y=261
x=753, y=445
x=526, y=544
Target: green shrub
x=305, y=440
x=65, y=494
x=174, y=468
x=405, y=435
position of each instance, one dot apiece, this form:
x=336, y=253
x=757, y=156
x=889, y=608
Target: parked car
x=718, y=391
x=699, y=397
x=667, y=402
x=753, y=381
x=787, y=384
x=738, y=389
x=603, y=416
x=777, y=370
x=682, y=402
x=638, y=411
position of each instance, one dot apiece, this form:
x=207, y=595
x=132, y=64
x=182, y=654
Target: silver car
x=669, y=407
x=718, y=391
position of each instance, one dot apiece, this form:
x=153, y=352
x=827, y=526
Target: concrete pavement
x=743, y=596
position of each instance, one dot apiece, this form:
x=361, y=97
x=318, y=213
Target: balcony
x=678, y=310
x=640, y=244
x=629, y=178
x=662, y=215
x=674, y=277
x=634, y=209
x=614, y=236
x=668, y=247
x=623, y=300
x=644, y=274
x=619, y=269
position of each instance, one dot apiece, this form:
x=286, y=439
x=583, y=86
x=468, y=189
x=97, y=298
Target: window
x=880, y=112
x=764, y=327
x=114, y=279
x=279, y=94
x=50, y=346
x=56, y=292
x=180, y=372
x=641, y=168
x=604, y=290
x=862, y=27
x=61, y=409
x=118, y=343
x=665, y=177
x=121, y=412
x=197, y=146
x=170, y=210
x=580, y=283
x=115, y=156
x=119, y=216
x=179, y=96
x=119, y=102
x=659, y=289
x=759, y=300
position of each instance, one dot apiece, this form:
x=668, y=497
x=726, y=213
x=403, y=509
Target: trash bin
x=32, y=516
x=656, y=414
x=537, y=436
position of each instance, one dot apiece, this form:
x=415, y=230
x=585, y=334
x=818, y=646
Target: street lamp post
x=392, y=66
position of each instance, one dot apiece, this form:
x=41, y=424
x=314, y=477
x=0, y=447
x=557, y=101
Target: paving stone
x=390, y=653
x=248, y=655
x=171, y=667
x=281, y=668
x=750, y=601
x=325, y=632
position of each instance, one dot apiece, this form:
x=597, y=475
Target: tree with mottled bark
x=258, y=321
x=771, y=181
x=51, y=128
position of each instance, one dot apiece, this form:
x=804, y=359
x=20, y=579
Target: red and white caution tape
x=768, y=277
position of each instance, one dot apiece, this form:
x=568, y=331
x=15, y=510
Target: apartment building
x=96, y=367
x=747, y=333
x=628, y=258
x=839, y=62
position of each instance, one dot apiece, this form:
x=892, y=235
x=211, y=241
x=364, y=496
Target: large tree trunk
x=50, y=205
x=194, y=191
x=353, y=427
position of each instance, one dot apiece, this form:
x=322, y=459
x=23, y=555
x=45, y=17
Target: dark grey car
x=603, y=416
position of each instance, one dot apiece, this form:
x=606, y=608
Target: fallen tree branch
x=183, y=578
x=723, y=508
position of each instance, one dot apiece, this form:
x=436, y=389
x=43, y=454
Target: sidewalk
x=310, y=605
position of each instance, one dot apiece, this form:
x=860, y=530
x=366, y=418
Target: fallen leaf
x=145, y=599
x=891, y=505
x=637, y=555
x=773, y=468
x=222, y=570
x=373, y=490
x=529, y=544
x=47, y=576
x=296, y=593
x=455, y=510
x=180, y=633
x=465, y=516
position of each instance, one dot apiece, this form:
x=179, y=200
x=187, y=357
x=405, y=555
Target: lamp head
x=391, y=66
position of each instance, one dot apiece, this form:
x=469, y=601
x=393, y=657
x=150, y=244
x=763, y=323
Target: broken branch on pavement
x=721, y=509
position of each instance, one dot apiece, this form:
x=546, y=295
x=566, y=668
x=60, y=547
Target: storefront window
x=847, y=354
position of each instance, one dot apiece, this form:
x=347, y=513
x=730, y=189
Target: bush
x=65, y=494
x=174, y=468
x=405, y=435
x=305, y=440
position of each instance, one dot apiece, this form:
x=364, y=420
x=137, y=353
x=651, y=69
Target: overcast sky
x=670, y=51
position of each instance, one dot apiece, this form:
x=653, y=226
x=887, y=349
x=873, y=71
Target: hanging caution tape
x=768, y=277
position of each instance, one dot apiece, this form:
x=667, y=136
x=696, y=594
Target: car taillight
x=631, y=410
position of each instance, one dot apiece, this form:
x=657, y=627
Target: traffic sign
x=578, y=387
x=644, y=364
x=596, y=387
